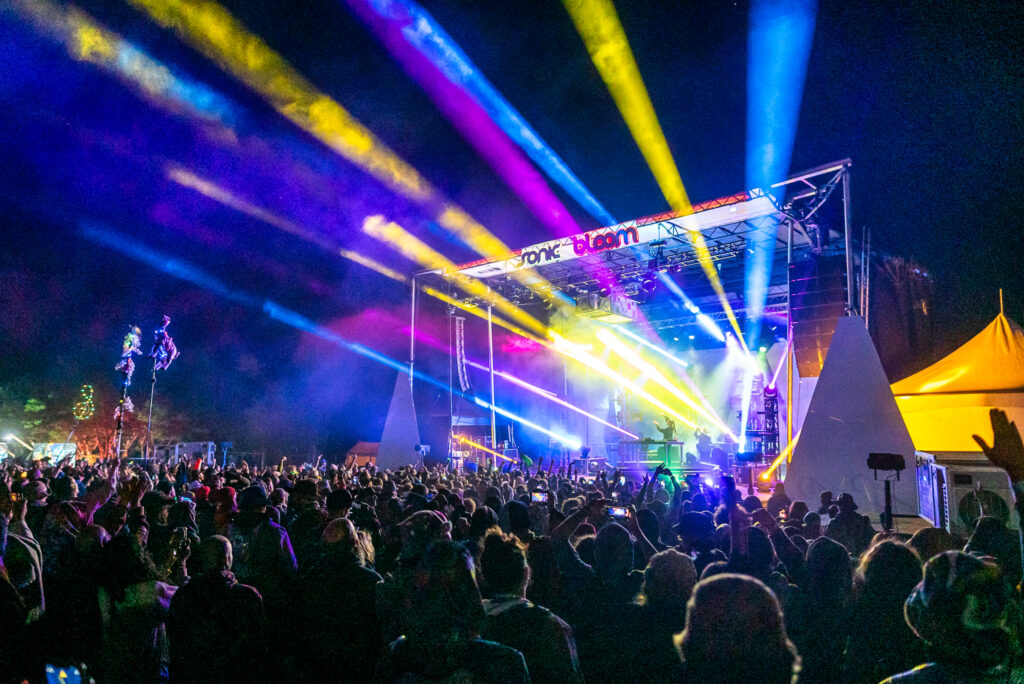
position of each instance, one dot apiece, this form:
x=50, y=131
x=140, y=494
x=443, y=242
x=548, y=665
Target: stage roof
x=661, y=243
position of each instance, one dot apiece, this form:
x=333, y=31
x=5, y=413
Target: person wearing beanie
x=963, y=610
x=262, y=551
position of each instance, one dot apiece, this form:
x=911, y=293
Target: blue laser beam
x=182, y=270
x=778, y=47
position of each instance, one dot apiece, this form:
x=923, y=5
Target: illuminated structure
x=646, y=379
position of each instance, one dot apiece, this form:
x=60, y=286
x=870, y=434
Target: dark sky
x=924, y=97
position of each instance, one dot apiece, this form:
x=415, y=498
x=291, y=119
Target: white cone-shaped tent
x=852, y=414
x=947, y=402
x=401, y=431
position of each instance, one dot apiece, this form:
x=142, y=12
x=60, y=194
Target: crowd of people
x=191, y=573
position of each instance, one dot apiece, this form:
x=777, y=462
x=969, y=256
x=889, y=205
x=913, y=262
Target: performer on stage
x=703, y=443
x=668, y=433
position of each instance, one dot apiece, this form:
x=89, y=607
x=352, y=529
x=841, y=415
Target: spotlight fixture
x=605, y=291
x=649, y=283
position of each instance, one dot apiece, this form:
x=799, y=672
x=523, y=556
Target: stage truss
x=790, y=209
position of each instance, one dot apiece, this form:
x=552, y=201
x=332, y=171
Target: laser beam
x=620, y=348
x=778, y=48
x=129, y=247
x=481, y=447
x=598, y=25
x=423, y=33
x=214, y=32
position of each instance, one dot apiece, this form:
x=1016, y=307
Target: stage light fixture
x=649, y=283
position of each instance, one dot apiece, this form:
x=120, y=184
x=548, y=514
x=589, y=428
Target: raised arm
x=1007, y=452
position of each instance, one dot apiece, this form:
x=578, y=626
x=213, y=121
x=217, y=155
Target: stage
x=599, y=340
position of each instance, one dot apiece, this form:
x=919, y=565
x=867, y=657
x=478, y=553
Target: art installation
x=129, y=349
x=164, y=353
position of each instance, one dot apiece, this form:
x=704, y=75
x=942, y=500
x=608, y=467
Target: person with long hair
x=544, y=639
x=881, y=643
x=735, y=634
x=133, y=608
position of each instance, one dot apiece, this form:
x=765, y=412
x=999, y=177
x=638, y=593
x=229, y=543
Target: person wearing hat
x=262, y=551
x=418, y=532
x=696, y=533
x=962, y=609
x=37, y=494
x=850, y=528
x=811, y=528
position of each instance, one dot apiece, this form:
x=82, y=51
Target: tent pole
x=847, y=242
x=412, y=330
x=867, y=283
x=791, y=356
x=490, y=369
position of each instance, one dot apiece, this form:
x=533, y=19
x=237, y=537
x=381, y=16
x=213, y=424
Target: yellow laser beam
x=778, y=459
x=576, y=352
x=598, y=25
x=481, y=447
x=420, y=252
x=634, y=359
x=213, y=31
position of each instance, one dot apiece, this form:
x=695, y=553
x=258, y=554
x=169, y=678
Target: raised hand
x=1007, y=450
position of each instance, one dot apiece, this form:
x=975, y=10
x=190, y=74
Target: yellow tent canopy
x=947, y=402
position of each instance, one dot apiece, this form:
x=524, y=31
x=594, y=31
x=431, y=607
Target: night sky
x=924, y=97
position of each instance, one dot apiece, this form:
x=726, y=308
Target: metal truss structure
x=800, y=212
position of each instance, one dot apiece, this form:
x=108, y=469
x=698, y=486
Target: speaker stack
x=817, y=295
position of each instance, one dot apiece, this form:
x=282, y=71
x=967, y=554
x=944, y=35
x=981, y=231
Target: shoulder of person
x=492, y=651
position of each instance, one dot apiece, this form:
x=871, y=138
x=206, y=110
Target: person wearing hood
x=262, y=551
x=215, y=622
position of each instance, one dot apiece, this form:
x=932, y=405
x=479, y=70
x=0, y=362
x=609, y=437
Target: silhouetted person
x=962, y=610
x=850, y=528
x=216, y=625
x=735, y=635
x=544, y=639
x=443, y=622
x=335, y=618
x=881, y=643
